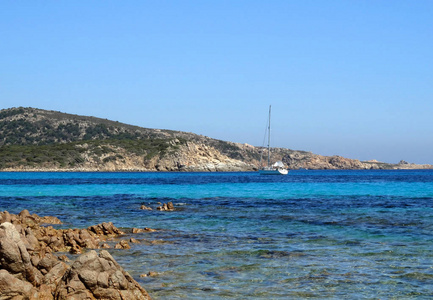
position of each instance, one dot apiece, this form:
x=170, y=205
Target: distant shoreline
x=179, y=172
x=37, y=140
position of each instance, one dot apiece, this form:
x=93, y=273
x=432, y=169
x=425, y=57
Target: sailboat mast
x=269, y=137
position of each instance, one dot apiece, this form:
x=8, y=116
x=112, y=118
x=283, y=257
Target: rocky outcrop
x=307, y=160
x=98, y=276
x=14, y=256
x=199, y=157
x=29, y=269
x=26, y=219
x=58, y=240
x=166, y=207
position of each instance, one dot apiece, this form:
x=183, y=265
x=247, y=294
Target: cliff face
x=40, y=140
x=198, y=157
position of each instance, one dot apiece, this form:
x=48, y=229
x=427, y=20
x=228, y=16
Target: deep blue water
x=310, y=234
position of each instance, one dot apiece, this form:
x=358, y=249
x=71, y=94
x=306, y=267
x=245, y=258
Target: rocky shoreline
x=33, y=264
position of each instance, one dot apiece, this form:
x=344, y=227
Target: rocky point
x=31, y=269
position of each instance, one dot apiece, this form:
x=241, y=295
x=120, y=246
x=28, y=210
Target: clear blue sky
x=350, y=78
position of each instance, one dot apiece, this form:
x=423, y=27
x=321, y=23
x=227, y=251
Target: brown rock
x=14, y=288
x=75, y=249
x=166, y=207
x=45, y=292
x=56, y=243
x=158, y=242
x=5, y=217
x=141, y=230
x=150, y=274
x=24, y=217
x=29, y=270
x=53, y=277
x=123, y=244
x=144, y=207
x=137, y=230
x=24, y=214
x=14, y=257
x=49, y=220
x=64, y=258
x=86, y=240
x=98, y=276
x=107, y=229
x=30, y=240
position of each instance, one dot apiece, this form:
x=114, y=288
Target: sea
x=310, y=234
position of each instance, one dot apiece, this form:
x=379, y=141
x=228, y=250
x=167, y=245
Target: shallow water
x=310, y=234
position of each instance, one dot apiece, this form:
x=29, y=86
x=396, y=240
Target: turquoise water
x=311, y=234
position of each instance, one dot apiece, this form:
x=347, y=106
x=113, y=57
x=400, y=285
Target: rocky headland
x=33, y=264
x=33, y=139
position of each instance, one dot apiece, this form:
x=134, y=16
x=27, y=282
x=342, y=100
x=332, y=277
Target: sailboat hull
x=274, y=172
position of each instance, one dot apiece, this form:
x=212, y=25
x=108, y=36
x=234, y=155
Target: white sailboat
x=278, y=167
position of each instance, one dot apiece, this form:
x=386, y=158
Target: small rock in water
x=144, y=207
x=134, y=241
x=123, y=244
x=149, y=229
x=141, y=230
x=137, y=230
x=158, y=242
x=166, y=207
x=150, y=274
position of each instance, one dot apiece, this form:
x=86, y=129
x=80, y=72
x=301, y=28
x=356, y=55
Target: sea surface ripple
x=310, y=234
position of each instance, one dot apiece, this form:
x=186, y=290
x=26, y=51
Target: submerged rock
x=134, y=241
x=142, y=230
x=144, y=207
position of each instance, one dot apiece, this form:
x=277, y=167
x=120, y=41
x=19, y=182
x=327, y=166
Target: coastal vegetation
x=71, y=154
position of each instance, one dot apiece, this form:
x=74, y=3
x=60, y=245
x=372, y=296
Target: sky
x=349, y=78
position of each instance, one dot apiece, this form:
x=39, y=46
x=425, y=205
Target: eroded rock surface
x=94, y=276
x=30, y=270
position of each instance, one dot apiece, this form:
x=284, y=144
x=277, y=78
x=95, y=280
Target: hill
x=36, y=139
